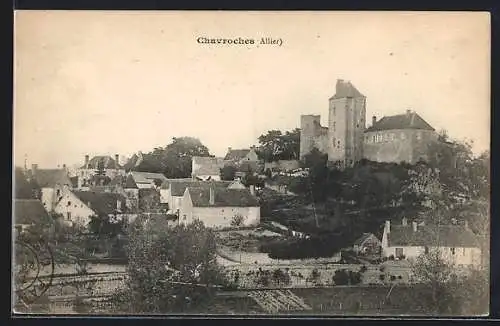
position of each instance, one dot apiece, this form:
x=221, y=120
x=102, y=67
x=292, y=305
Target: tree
x=173, y=160
x=227, y=173
x=105, y=226
x=276, y=146
x=170, y=269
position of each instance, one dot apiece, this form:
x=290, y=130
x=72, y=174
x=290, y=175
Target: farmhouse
x=457, y=243
x=219, y=207
x=77, y=207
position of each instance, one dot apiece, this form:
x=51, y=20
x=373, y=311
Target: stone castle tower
x=342, y=140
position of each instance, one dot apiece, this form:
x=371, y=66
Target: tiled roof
x=363, y=238
x=409, y=120
x=207, y=165
x=432, y=235
x=222, y=197
x=102, y=202
x=345, y=89
x=109, y=163
x=147, y=177
x=236, y=154
x=51, y=177
x=130, y=183
x=30, y=211
x=166, y=183
x=178, y=188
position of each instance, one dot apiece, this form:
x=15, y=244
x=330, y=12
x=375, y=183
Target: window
x=426, y=250
x=68, y=216
x=374, y=139
x=399, y=252
x=334, y=126
x=452, y=251
x=334, y=110
x=463, y=251
x=58, y=192
x=69, y=203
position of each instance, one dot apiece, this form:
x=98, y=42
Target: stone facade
x=347, y=140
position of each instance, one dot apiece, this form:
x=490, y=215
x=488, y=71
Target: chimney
x=404, y=221
x=252, y=190
x=374, y=119
x=408, y=112
x=117, y=159
x=414, y=226
x=229, y=149
x=388, y=226
x=212, y=196
x=86, y=161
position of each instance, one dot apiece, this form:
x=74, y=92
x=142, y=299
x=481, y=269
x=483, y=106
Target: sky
x=105, y=83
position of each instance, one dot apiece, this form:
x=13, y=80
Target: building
x=110, y=167
x=51, y=182
x=219, y=207
x=368, y=243
x=147, y=179
x=342, y=140
x=456, y=243
x=206, y=168
x=399, y=138
x=30, y=212
x=282, y=165
x=77, y=207
x=346, y=140
x=172, y=190
x=239, y=156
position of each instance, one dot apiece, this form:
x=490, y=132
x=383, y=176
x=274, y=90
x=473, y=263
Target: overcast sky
x=102, y=83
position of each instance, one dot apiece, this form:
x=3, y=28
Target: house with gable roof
x=76, y=207
x=217, y=206
x=456, y=243
x=52, y=184
x=172, y=190
x=144, y=180
x=30, y=212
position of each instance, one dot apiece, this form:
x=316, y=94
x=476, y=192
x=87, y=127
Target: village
x=315, y=220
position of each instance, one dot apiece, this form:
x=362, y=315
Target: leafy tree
x=105, y=226
x=276, y=146
x=227, y=173
x=170, y=269
x=173, y=160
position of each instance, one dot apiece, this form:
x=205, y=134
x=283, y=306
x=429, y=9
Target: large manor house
x=400, y=138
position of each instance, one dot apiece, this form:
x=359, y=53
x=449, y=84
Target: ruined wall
x=312, y=134
x=396, y=146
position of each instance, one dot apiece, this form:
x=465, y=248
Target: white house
x=457, y=243
x=52, y=183
x=206, y=168
x=216, y=206
x=172, y=190
x=77, y=207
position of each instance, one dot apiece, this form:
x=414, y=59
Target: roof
x=345, y=89
x=166, y=183
x=147, y=177
x=363, y=238
x=432, y=235
x=178, y=187
x=236, y=154
x=109, y=163
x=410, y=120
x=207, y=165
x=130, y=183
x=30, y=211
x=48, y=178
x=101, y=202
x=223, y=197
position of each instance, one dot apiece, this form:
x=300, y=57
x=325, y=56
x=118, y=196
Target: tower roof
x=345, y=89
